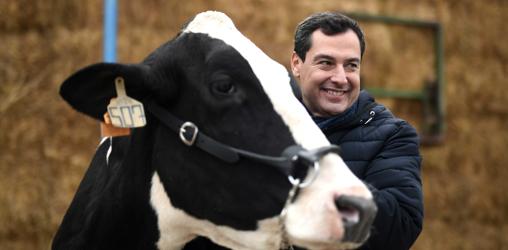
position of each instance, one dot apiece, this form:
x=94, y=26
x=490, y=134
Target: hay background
x=45, y=146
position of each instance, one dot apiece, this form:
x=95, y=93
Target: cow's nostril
x=350, y=215
x=357, y=216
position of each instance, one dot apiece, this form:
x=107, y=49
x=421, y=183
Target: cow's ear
x=90, y=89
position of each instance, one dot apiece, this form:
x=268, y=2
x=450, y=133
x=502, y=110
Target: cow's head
x=213, y=76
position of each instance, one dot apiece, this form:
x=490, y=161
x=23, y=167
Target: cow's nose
x=357, y=216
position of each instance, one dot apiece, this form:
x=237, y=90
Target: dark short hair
x=330, y=23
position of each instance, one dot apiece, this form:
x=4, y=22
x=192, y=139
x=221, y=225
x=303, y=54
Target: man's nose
x=339, y=75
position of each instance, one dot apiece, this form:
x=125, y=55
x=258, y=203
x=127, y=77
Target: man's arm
x=394, y=176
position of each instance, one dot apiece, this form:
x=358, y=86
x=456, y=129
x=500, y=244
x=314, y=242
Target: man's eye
x=326, y=63
x=352, y=66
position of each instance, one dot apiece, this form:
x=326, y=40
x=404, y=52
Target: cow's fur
x=151, y=191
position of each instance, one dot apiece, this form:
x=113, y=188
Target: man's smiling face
x=329, y=78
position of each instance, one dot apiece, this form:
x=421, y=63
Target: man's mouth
x=335, y=92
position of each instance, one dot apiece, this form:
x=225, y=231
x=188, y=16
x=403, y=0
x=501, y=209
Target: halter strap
x=293, y=162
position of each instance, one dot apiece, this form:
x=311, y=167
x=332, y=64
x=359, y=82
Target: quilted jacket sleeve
x=394, y=176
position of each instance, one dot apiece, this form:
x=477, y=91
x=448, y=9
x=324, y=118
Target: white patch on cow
x=176, y=227
x=110, y=148
x=173, y=224
x=313, y=217
x=103, y=139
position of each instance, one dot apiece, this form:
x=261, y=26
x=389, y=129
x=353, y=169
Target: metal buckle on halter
x=183, y=131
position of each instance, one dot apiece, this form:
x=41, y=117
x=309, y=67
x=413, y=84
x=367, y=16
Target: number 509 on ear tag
x=124, y=111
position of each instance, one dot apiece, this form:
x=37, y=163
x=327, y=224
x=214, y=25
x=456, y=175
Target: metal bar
x=392, y=20
x=388, y=93
x=109, y=36
x=438, y=106
x=109, y=51
x=439, y=47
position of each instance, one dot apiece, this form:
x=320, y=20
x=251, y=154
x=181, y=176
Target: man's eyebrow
x=353, y=59
x=323, y=56
x=318, y=57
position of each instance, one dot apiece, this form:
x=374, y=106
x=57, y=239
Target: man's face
x=330, y=76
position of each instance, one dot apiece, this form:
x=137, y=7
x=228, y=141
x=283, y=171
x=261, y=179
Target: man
x=379, y=148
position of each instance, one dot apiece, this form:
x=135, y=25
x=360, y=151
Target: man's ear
x=90, y=89
x=295, y=65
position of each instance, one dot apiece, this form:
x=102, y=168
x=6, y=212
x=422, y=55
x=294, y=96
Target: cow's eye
x=224, y=87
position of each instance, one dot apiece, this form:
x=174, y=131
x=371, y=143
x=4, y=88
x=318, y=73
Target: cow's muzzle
x=357, y=216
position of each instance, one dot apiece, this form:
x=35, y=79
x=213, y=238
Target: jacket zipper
x=372, y=113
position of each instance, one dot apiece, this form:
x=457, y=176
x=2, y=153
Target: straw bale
x=46, y=146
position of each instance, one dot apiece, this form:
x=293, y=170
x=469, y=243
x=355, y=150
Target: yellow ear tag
x=124, y=111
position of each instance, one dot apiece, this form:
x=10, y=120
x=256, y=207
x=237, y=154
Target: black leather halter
x=294, y=161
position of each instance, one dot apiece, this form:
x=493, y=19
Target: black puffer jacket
x=383, y=152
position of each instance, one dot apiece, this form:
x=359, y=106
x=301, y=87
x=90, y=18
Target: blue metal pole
x=109, y=45
x=110, y=17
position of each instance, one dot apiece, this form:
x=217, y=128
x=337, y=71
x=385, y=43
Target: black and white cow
x=152, y=191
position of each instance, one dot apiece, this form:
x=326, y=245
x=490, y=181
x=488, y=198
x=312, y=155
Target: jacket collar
x=359, y=113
